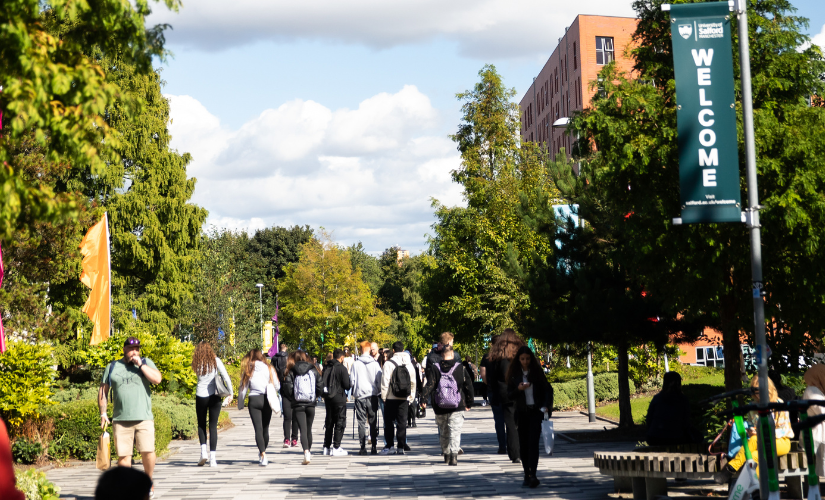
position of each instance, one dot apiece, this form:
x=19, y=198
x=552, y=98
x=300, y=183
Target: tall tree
x=55, y=92
x=273, y=249
x=155, y=228
x=702, y=271
x=466, y=290
x=325, y=302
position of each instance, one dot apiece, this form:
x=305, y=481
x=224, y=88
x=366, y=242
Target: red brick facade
x=562, y=85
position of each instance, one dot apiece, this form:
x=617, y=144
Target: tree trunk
x=731, y=343
x=625, y=411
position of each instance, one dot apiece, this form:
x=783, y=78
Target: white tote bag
x=547, y=434
x=272, y=396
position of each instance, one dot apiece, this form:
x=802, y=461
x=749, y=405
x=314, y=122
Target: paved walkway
x=421, y=474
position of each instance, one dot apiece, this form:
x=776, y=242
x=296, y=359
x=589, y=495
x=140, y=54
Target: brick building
x=562, y=85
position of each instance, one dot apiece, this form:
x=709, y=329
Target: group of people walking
x=389, y=382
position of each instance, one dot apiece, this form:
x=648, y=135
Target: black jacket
x=288, y=385
x=334, y=368
x=462, y=380
x=668, y=420
x=279, y=362
x=542, y=392
x=497, y=383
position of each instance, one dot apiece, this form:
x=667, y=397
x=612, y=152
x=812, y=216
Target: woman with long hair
x=532, y=394
x=502, y=354
x=207, y=366
x=256, y=373
x=783, y=432
x=303, y=382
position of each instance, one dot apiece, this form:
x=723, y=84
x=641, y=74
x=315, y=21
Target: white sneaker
x=388, y=451
x=307, y=458
x=213, y=463
x=338, y=452
x=326, y=451
x=203, y=460
x=264, y=461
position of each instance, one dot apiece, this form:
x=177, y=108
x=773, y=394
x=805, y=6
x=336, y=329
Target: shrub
x=574, y=393
x=172, y=357
x=26, y=377
x=35, y=486
x=181, y=413
x=224, y=421
x=25, y=451
x=77, y=429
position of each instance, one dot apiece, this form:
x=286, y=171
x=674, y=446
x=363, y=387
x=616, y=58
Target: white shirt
x=256, y=385
x=528, y=393
x=206, y=383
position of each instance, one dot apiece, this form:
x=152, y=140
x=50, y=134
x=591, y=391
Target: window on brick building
x=575, y=63
x=604, y=50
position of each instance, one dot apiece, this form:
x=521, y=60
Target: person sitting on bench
x=784, y=434
x=668, y=416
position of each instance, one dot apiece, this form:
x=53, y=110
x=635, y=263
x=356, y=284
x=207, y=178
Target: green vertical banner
x=706, y=112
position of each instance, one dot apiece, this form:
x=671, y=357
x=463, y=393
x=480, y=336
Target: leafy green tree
x=274, y=248
x=370, y=269
x=225, y=303
x=400, y=297
x=467, y=290
x=56, y=93
x=155, y=228
x=325, y=303
x=702, y=271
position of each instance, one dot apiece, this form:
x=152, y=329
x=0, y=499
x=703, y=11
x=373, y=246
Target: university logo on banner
x=706, y=113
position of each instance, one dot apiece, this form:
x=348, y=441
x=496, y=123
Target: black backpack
x=400, y=381
x=331, y=387
x=280, y=366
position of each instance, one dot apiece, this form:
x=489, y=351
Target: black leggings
x=304, y=415
x=212, y=404
x=529, y=434
x=508, y=411
x=290, y=426
x=261, y=414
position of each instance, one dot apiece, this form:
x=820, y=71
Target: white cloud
x=482, y=28
x=820, y=38
x=366, y=173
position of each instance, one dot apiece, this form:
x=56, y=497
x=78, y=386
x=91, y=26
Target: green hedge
x=571, y=394
x=77, y=429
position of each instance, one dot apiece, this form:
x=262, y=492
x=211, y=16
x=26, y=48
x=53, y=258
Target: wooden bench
x=645, y=470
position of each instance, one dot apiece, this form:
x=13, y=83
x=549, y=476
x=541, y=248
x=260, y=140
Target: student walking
x=304, y=383
x=532, y=394
x=336, y=385
x=451, y=388
x=130, y=379
x=366, y=388
x=397, y=391
x=502, y=355
x=279, y=362
x=208, y=367
x=255, y=375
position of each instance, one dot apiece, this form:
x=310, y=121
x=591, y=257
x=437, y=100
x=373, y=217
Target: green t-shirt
x=131, y=391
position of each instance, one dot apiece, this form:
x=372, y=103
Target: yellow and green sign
x=706, y=113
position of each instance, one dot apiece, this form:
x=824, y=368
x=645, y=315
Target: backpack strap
x=109, y=373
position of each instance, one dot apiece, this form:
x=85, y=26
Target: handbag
x=222, y=385
x=273, y=397
x=104, y=457
x=547, y=434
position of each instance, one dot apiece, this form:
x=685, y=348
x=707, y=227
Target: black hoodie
x=288, y=385
x=463, y=382
x=334, y=368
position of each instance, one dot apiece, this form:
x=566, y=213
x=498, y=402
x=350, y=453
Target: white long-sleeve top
x=206, y=383
x=256, y=385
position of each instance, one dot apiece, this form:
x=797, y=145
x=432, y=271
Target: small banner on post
x=706, y=113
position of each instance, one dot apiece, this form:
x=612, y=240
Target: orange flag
x=97, y=275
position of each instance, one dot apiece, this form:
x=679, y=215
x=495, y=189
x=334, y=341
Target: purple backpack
x=447, y=395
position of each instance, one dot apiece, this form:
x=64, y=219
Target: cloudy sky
x=337, y=113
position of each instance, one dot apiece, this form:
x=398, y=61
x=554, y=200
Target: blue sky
x=336, y=114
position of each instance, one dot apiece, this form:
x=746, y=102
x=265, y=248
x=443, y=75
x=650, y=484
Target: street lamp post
x=261, y=301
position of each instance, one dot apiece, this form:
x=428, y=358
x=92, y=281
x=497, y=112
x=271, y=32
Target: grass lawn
x=698, y=383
